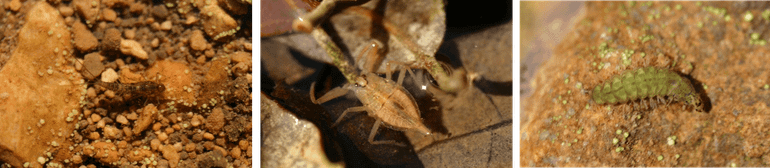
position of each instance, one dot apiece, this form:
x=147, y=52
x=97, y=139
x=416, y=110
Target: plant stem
x=338, y=59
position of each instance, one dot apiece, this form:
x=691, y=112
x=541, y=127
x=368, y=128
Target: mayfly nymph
x=141, y=88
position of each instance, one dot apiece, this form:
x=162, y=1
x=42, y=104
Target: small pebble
x=109, y=93
x=77, y=159
x=156, y=127
x=154, y=43
x=197, y=41
x=86, y=112
x=131, y=47
x=195, y=122
x=129, y=33
x=100, y=124
x=109, y=76
x=93, y=65
x=208, y=136
x=93, y=136
x=111, y=132
x=14, y=6
x=128, y=132
x=91, y=93
x=131, y=116
x=66, y=11
x=190, y=20
x=165, y=26
x=243, y=144
x=122, y=119
x=41, y=160
x=96, y=117
x=236, y=152
x=162, y=136
x=109, y=15
x=178, y=146
x=154, y=144
x=189, y=147
x=79, y=64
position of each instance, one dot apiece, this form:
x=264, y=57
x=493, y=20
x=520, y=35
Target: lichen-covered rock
x=217, y=23
x=24, y=82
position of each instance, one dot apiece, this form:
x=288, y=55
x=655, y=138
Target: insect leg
x=652, y=102
x=401, y=75
x=374, y=132
x=334, y=93
x=352, y=109
x=406, y=66
x=636, y=106
x=373, y=58
x=312, y=92
x=387, y=75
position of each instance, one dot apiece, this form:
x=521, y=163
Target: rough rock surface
x=23, y=140
x=720, y=46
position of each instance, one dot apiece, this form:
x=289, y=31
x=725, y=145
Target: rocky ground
x=117, y=83
x=720, y=46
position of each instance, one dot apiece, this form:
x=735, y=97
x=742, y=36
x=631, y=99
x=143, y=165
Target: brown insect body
x=643, y=83
x=388, y=102
x=144, y=89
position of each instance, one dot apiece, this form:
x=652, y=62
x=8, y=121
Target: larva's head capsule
x=692, y=99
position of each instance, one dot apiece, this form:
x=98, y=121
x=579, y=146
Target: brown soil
x=55, y=56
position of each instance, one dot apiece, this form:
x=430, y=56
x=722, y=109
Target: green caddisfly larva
x=646, y=83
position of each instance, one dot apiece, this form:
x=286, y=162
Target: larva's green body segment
x=645, y=83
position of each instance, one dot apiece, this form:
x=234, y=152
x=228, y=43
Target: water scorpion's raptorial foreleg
x=644, y=83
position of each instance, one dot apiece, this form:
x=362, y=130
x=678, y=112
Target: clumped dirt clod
x=93, y=66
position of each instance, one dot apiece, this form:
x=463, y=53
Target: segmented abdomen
x=642, y=83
